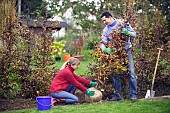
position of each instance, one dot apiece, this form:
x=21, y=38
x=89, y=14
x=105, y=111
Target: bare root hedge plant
x=25, y=58
x=151, y=30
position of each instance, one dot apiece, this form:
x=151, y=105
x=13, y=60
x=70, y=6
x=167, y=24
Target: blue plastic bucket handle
x=42, y=104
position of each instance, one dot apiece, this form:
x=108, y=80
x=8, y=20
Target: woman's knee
x=72, y=101
x=76, y=99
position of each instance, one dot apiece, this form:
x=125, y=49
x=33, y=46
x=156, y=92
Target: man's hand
x=126, y=32
x=89, y=92
x=107, y=50
x=93, y=83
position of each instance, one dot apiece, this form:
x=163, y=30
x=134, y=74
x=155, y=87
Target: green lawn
x=82, y=70
x=125, y=106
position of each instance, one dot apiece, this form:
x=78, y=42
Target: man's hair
x=106, y=14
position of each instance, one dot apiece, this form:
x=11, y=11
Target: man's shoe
x=116, y=99
x=113, y=99
x=133, y=98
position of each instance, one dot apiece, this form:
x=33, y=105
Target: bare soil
x=17, y=104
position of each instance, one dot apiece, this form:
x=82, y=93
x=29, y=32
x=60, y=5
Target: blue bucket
x=43, y=103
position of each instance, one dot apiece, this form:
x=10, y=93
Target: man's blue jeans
x=67, y=95
x=132, y=80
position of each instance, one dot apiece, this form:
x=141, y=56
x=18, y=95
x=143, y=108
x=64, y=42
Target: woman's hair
x=71, y=61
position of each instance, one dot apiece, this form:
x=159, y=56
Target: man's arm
x=128, y=30
x=131, y=30
x=102, y=46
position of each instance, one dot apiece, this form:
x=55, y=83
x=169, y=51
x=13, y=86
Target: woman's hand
x=90, y=92
x=93, y=83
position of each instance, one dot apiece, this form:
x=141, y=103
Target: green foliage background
x=25, y=59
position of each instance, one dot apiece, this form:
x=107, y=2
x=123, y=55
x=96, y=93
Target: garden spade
x=151, y=93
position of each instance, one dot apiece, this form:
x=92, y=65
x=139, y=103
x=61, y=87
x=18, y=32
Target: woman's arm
x=82, y=80
x=72, y=79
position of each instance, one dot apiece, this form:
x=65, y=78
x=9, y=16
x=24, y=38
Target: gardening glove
x=107, y=50
x=126, y=32
x=89, y=92
x=93, y=83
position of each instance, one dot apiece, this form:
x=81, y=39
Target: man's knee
x=132, y=76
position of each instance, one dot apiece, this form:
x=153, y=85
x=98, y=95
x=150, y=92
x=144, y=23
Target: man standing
x=114, y=24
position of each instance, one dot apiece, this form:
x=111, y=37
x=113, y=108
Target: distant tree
x=82, y=10
x=33, y=8
x=164, y=6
